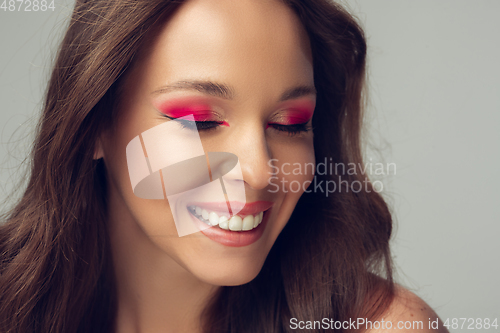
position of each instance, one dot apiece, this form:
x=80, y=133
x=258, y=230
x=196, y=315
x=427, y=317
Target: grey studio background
x=434, y=111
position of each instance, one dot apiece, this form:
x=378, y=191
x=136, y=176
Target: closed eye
x=198, y=125
x=292, y=129
x=209, y=125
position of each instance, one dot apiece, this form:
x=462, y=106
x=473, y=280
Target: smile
x=233, y=223
x=241, y=229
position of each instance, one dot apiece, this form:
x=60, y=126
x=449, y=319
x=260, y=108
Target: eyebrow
x=205, y=87
x=226, y=92
x=297, y=92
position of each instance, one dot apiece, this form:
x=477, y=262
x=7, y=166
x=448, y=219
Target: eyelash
x=200, y=125
x=206, y=126
x=292, y=130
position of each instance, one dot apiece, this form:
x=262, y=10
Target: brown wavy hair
x=332, y=260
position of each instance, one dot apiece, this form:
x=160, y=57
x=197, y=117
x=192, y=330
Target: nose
x=255, y=157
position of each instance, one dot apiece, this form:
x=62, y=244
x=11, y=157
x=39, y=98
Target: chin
x=231, y=273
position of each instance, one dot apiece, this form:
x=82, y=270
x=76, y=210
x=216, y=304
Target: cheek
x=294, y=168
x=115, y=160
x=153, y=216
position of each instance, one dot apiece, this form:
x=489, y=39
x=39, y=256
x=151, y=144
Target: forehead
x=241, y=41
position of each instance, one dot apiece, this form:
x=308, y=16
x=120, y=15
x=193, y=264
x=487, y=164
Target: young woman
x=276, y=83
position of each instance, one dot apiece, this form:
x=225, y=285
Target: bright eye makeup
x=292, y=117
x=205, y=118
x=292, y=121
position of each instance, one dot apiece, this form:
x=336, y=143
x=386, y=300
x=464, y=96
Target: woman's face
x=257, y=55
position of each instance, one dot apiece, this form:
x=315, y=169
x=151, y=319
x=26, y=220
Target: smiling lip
x=235, y=238
x=249, y=208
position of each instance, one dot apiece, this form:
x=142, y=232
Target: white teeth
x=258, y=219
x=213, y=218
x=235, y=223
x=248, y=222
x=223, y=222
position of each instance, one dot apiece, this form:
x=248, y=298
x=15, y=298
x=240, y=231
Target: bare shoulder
x=409, y=313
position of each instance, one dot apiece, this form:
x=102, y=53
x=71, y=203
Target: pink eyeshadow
x=294, y=117
x=199, y=112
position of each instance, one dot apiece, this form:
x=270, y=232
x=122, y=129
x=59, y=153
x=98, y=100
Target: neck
x=154, y=293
